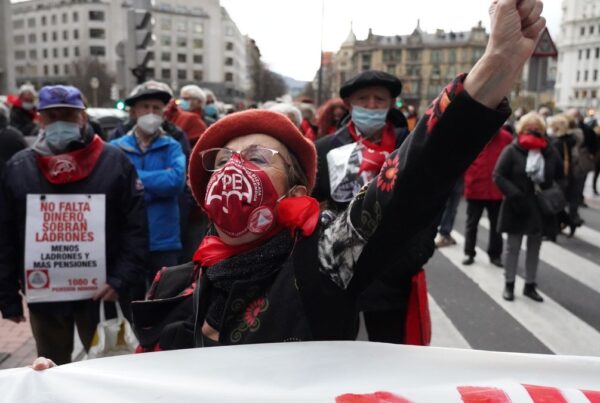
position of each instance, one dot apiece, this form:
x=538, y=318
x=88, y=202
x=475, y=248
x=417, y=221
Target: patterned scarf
x=251, y=265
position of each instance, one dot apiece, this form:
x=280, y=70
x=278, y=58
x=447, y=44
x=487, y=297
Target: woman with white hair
x=23, y=111
x=288, y=110
x=528, y=164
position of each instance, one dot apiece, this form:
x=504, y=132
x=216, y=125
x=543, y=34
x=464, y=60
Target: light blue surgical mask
x=211, y=110
x=60, y=134
x=184, y=104
x=369, y=121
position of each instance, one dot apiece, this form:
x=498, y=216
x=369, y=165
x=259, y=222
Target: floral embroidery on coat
x=388, y=175
x=439, y=105
x=247, y=316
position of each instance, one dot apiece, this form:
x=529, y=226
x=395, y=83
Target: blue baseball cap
x=60, y=96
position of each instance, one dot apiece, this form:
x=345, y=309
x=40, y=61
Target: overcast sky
x=288, y=32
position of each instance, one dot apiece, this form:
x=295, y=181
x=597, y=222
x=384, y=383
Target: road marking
x=443, y=332
x=588, y=235
x=562, y=259
x=557, y=328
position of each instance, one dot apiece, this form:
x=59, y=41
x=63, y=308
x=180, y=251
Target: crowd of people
x=281, y=223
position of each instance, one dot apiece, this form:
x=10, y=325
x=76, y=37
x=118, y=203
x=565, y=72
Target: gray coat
x=520, y=213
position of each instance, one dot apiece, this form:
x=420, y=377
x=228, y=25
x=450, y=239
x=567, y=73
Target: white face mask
x=149, y=123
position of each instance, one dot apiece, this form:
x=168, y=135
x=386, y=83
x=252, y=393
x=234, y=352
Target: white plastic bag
x=113, y=336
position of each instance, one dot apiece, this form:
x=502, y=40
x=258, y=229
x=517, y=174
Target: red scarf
x=307, y=130
x=532, y=142
x=374, y=155
x=295, y=213
x=71, y=167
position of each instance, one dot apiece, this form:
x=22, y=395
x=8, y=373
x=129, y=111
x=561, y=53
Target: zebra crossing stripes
x=444, y=333
x=557, y=328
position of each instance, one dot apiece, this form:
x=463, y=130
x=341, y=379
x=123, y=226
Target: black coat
x=126, y=226
x=520, y=213
x=23, y=121
x=11, y=142
x=313, y=294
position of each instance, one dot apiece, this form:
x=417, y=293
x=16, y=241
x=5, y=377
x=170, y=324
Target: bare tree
x=271, y=85
x=84, y=70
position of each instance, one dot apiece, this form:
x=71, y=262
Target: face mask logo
x=239, y=200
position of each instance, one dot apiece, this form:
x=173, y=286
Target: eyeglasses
x=214, y=159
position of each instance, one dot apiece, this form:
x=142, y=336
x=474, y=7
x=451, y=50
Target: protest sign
x=65, y=255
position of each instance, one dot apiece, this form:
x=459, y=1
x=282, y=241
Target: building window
x=165, y=40
x=65, y=52
x=198, y=43
x=19, y=39
x=391, y=68
x=75, y=16
x=592, y=30
x=198, y=75
x=31, y=22
x=181, y=26
x=18, y=24
x=414, y=55
x=182, y=74
x=197, y=59
x=181, y=57
x=54, y=36
x=44, y=37
x=65, y=35
x=33, y=54
x=229, y=46
x=580, y=54
x=20, y=54
x=44, y=24
x=97, y=33
x=66, y=69
x=587, y=53
x=582, y=31
x=594, y=93
x=198, y=28
x=228, y=77
x=55, y=53
x=56, y=70
x=97, y=50
x=45, y=53
x=584, y=94
x=165, y=57
x=578, y=75
x=96, y=15
x=165, y=24
x=596, y=75
x=166, y=74
x=45, y=70
x=229, y=61
x=181, y=42
x=597, y=53
x=585, y=75
x=436, y=56
x=32, y=38
x=76, y=51
x=452, y=56
x=64, y=18
x=75, y=34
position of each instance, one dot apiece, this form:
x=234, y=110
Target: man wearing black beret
x=348, y=160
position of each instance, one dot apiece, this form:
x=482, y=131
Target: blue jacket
x=162, y=171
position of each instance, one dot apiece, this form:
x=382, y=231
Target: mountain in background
x=295, y=87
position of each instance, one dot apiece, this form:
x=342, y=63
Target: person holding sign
x=72, y=223
x=274, y=269
x=160, y=164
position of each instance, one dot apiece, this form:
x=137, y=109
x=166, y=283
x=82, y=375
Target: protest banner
x=65, y=255
x=331, y=372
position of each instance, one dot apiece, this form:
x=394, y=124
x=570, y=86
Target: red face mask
x=240, y=200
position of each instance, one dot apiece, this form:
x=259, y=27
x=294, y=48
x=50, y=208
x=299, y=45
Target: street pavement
x=466, y=301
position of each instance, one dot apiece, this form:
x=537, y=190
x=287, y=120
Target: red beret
x=254, y=121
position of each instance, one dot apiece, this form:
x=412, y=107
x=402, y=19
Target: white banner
x=65, y=251
x=333, y=372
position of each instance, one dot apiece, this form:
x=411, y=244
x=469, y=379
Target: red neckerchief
x=307, y=130
x=531, y=142
x=295, y=213
x=73, y=166
x=374, y=155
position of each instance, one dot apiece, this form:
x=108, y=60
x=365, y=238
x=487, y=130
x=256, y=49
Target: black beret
x=148, y=93
x=369, y=78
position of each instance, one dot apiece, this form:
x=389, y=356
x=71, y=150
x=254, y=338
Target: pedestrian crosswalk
x=468, y=310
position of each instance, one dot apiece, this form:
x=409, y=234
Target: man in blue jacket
x=72, y=228
x=160, y=164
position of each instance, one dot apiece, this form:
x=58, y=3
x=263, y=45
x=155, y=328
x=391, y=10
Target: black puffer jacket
x=126, y=228
x=520, y=213
x=22, y=120
x=11, y=142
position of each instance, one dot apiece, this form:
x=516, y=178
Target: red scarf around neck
x=71, y=167
x=532, y=142
x=294, y=213
x=374, y=155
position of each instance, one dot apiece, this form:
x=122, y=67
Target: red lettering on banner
x=592, y=396
x=482, y=394
x=543, y=394
x=377, y=397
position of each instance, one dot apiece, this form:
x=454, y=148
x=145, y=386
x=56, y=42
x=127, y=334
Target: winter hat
x=255, y=121
x=370, y=78
x=150, y=90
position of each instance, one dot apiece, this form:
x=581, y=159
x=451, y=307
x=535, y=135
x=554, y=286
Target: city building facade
x=195, y=42
x=578, y=76
x=7, y=79
x=425, y=62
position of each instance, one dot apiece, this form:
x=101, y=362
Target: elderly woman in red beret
x=272, y=267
